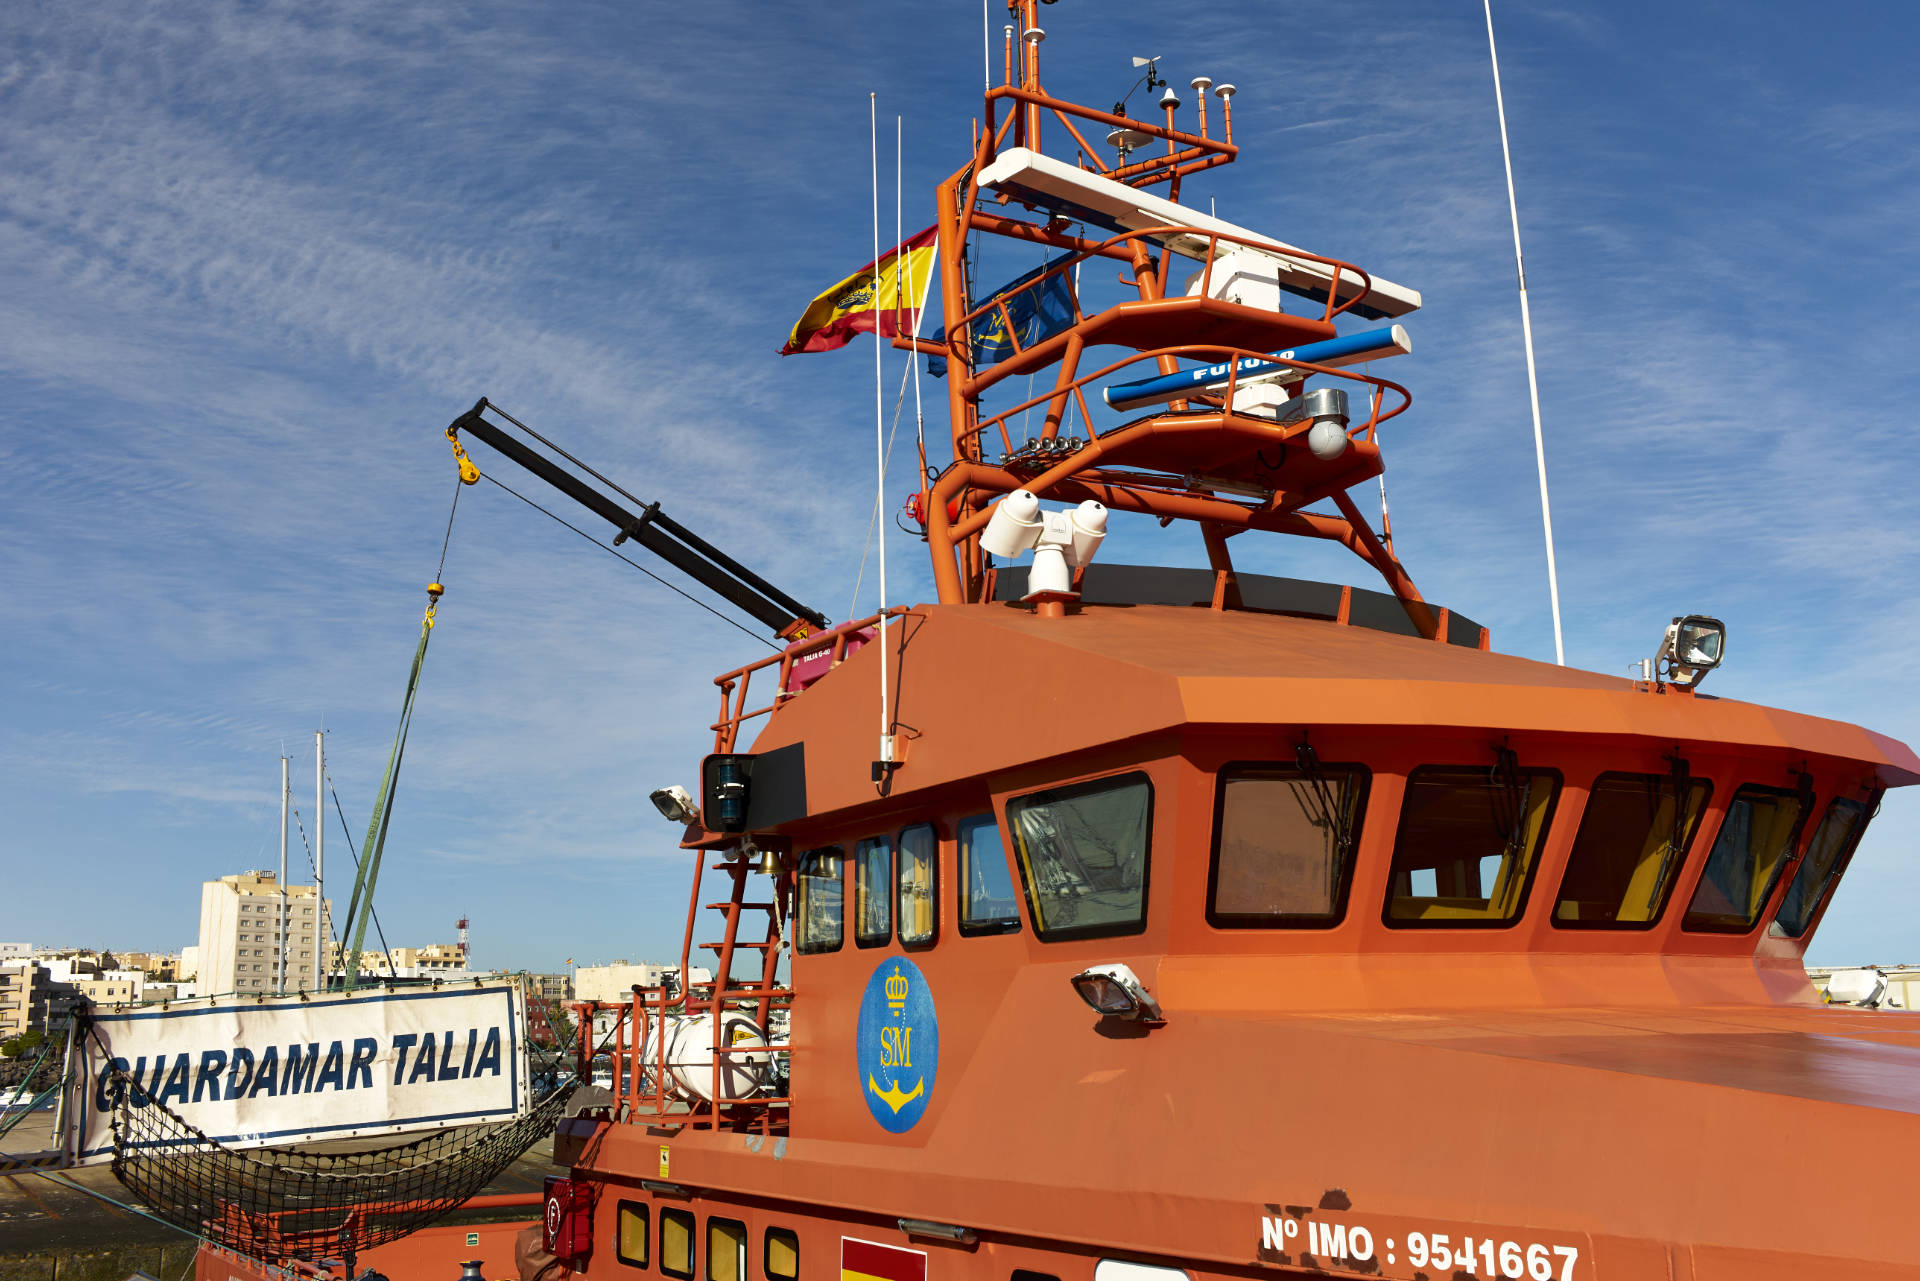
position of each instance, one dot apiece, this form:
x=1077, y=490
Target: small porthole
x=783, y=1255
x=631, y=1238
x=726, y=1250
x=676, y=1244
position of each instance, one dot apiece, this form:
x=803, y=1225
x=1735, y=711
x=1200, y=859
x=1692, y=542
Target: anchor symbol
x=895, y=1097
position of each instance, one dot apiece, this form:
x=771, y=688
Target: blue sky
x=258, y=254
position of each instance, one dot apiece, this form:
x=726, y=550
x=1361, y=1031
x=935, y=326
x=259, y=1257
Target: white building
x=242, y=919
x=616, y=982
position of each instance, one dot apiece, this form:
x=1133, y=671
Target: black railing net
x=282, y=1205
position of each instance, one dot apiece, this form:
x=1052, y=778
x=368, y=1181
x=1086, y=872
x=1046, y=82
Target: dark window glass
x=1828, y=853
x=919, y=873
x=782, y=1255
x=1283, y=844
x=1758, y=833
x=822, y=900
x=1469, y=839
x=1083, y=856
x=726, y=1250
x=873, y=891
x=676, y=1243
x=987, y=904
x=1627, y=854
x=630, y=1238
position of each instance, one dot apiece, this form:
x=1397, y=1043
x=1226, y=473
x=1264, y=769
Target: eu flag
x=1036, y=310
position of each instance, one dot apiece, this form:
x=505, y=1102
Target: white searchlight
x=1692, y=647
x=1061, y=541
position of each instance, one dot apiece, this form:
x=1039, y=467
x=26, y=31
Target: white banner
x=251, y=1073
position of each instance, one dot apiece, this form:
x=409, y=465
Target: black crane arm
x=654, y=530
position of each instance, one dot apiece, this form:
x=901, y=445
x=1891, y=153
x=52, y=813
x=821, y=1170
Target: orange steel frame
x=958, y=565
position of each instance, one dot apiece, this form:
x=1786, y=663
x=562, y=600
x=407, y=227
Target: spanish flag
x=870, y=1261
x=882, y=295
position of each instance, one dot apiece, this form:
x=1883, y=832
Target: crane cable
x=360, y=905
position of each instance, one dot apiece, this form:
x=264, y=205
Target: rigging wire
x=378, y=931
x=637, y=565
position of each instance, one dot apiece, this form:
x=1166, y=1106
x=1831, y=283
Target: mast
x=286, y=796
x=319, y=840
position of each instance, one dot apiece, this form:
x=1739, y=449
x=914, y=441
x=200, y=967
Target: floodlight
x=1693, y=646
x=1117, y=992
x=674, y=803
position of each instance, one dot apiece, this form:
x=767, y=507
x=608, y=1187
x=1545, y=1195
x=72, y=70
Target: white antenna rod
x=286, y=796
x=986, y=48
x=319, y=834
x=1526, y=328
x=879, y=425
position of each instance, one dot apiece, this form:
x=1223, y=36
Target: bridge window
x=1828, y=854
x=1759, y=832
x=873, y=891
x=676, y=1243
x=1083, y=856
x=987, y=904
x=822, y=900
x=726, y=1250
x=1468, y=843
x=1632, y=840
x=630, y=1238
x=919, y=905
x=1283, y=844
x=782, y=1260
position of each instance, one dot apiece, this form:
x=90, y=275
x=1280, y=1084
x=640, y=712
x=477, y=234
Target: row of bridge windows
x=1284, y=841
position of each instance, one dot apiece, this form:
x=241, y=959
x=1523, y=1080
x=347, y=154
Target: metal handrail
x=1232, y=356
x=1213, y=239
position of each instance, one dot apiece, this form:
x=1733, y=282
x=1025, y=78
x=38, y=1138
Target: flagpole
x=1526, y=329
x=879, y=428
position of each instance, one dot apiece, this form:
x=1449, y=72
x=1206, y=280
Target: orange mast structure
x=1209, y=925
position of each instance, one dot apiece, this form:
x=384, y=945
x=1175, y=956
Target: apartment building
x=23, y=998
x=242, y=919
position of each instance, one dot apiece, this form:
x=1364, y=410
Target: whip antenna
x=1526, y=329
x=885, y=758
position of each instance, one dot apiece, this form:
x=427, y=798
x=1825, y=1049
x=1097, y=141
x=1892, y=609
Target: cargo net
x=282, y=1205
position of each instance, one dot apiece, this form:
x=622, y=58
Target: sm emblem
x=898, y=1047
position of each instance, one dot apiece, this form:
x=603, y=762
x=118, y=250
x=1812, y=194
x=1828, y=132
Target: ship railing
x=828, y=649
x=1126, y=247
x=647, y=1084
x=1074, y=384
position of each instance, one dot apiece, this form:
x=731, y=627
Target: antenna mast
x=1526, y=329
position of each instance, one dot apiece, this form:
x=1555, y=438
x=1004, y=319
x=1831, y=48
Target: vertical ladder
x=754, y=1111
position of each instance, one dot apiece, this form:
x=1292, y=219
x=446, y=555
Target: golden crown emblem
x=896, y=991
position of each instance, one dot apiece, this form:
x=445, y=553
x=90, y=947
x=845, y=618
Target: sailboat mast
x=286, y=795
x=320, y=838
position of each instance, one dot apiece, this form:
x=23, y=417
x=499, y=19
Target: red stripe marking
x=882, y=1260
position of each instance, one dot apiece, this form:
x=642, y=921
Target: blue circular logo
x=898, y=1050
